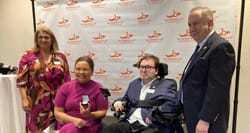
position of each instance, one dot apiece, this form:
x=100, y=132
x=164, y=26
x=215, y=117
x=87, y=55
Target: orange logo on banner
x=187, y=34
x=141, y=54
x=98, y=4
x=154, y=35
x=72, y=3
x=173, y=56
x=88, y=20
x=223, y=32
x=90, y=54
x=185, y=37
x=126, y=2
x=126, y=36
x=127, y=72
x=174, y=14
x=116, y=54
x=97, y=1
x=48, y=5
x=99, y=37
x=116, y=89
x=154, y=1
x=100, y=71
x=174, y=17
x=74, y=37
x=40, y=22
x=143, y=16
x=116, y=57
x=115, y=18
x=63, y=22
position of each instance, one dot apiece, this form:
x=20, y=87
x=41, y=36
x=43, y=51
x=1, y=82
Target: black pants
x=125, y=127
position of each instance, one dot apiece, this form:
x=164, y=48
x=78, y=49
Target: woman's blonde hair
x=54, y=46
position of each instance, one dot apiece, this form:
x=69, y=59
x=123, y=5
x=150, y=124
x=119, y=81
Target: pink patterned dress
x=42, y=82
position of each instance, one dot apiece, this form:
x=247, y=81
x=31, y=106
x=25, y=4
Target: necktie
x=194, y=55
x=196, y=51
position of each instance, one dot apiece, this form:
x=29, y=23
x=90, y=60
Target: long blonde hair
x=54, y=46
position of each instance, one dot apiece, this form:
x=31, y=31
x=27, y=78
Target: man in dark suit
x=205, y=83
x=145, y=88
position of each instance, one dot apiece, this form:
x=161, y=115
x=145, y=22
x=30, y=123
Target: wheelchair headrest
x=162, y=70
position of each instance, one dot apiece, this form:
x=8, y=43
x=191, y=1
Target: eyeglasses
x=147, y=68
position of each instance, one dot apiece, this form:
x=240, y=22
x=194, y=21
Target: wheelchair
x=174, y=121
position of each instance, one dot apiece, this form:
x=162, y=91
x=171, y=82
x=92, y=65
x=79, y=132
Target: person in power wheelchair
x=147, y=100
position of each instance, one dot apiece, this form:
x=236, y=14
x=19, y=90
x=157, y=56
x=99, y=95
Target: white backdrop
x=115, y=33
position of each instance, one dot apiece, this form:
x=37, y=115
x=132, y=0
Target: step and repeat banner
x=116, y=33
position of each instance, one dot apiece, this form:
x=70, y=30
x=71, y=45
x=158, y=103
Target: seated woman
x=80, y=104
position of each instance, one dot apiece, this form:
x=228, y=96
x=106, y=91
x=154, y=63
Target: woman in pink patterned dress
x=42, y=70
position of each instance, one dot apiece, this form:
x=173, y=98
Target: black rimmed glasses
x=147, y=67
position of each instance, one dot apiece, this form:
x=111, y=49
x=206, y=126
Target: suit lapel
x=201, y=53
x=153, y=86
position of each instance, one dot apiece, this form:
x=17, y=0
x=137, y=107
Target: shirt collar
x=201, y=44
x=149, y=83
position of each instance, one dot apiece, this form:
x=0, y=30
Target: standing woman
x=80, y=104
x=42, y=70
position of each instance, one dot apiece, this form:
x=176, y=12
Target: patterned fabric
x=42, y=82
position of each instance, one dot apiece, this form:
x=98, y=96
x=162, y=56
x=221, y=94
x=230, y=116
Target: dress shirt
x=136, y=116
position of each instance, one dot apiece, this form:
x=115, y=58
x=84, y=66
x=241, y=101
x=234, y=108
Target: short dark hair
x=149, y=56
x=86, y=59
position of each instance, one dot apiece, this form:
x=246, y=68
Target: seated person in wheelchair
x=151, y=89
x=81, y=104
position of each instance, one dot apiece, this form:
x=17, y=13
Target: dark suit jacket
x=206, y=85
x=161, y=89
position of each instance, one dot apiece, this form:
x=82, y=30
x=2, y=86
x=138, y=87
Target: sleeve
x=125, y=98
x=221, y=67
x=23, y=71
x=170, y=97
x=102, y=102
x=61, y=96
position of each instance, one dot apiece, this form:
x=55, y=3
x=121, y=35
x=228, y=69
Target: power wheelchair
x=168, y=119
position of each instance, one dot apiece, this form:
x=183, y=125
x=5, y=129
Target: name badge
x=151, y=91
x=57, y=62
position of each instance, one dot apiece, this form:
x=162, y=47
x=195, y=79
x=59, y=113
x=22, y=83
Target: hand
x=85, y=110
x=119, y=106
x=202, y=127
x=79, y=123
x=25, y=105
x=148, y=121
